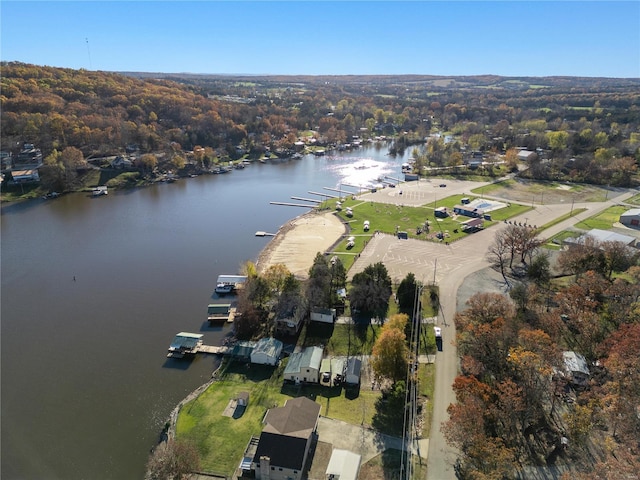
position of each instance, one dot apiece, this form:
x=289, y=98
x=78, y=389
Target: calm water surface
x=86, y=385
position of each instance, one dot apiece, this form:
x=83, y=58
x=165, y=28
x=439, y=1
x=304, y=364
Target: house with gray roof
x=266, y=351
x=285, y=441
x=304, y=366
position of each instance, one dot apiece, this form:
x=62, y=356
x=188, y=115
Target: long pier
x=305, y=205
x=307, y=199
x=323, y=194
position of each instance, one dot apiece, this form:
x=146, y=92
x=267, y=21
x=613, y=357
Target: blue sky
x=513, y=38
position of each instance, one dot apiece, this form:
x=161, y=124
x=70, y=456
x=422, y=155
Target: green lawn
x=390, y=219
x=604, y=220
x=221, y=440
x=340, y=339
x=635, y=200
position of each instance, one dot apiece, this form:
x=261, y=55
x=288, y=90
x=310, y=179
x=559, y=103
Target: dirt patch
x=537, y=193
x=320, y=462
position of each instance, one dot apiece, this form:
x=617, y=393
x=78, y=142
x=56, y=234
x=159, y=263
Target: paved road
x=448, y=266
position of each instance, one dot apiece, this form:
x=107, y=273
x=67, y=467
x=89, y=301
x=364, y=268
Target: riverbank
x=299, y=240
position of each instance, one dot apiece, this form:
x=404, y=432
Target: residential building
x=283, y=448
x=267, y=351
x=304, y=366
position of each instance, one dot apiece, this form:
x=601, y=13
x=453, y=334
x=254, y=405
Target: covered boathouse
x=185, y=343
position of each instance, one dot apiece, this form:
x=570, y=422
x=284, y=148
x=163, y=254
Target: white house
x=525, y=155
x=267, y=351
x=324, y=315
x=304, y=366
x=343, y=465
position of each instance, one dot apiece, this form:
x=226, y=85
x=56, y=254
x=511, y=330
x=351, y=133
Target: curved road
x=448, y=266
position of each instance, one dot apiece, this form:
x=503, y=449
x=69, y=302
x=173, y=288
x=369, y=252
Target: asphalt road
x=448, y=266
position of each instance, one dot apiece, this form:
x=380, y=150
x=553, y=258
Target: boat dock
x=225, y=350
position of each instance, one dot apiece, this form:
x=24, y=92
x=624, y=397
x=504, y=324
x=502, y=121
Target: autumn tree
x=390, y=352
x=148, y=162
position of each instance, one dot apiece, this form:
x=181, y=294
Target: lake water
x=86, y=385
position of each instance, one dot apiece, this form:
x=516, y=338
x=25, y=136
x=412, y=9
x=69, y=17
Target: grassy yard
x=340, y=339
x=221, y=440
x=635, y=200
x=390, y=219
x=426, y=379
x=535, y=192
x=604, y=220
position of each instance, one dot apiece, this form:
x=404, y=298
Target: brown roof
x=298, y=418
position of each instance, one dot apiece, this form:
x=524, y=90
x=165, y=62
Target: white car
x=438, y=332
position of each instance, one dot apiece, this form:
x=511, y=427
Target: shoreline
x=297, y=242
x=284, y=243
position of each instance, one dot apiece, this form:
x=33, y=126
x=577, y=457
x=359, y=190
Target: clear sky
x=513, y=38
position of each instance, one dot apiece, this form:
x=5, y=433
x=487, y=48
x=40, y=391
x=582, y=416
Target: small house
x=288, y=325
x=304, y=366
x=266, y=351
x=472, y=225
x=441, y=212
x=352, y=374
x=25, y=176
x=323, y=315
x=576, y=368
x=343, y=465
x=526, y=155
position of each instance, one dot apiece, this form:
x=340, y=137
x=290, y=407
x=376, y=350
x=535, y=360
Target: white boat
x=224, y=288
x=98, y=191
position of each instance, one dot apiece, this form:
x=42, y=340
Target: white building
x=267, y=351
x=343, y=465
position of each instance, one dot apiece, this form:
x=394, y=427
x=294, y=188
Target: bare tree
x=498, y=254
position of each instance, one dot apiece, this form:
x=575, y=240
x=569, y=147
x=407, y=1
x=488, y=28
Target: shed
x=266, y=351
x=631, y=218
x=354, y=366
x=243, y=399
x=343, y=465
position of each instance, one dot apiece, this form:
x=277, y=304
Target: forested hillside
x=584, y=130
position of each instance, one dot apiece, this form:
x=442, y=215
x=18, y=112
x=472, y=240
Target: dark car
x=442, y=185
